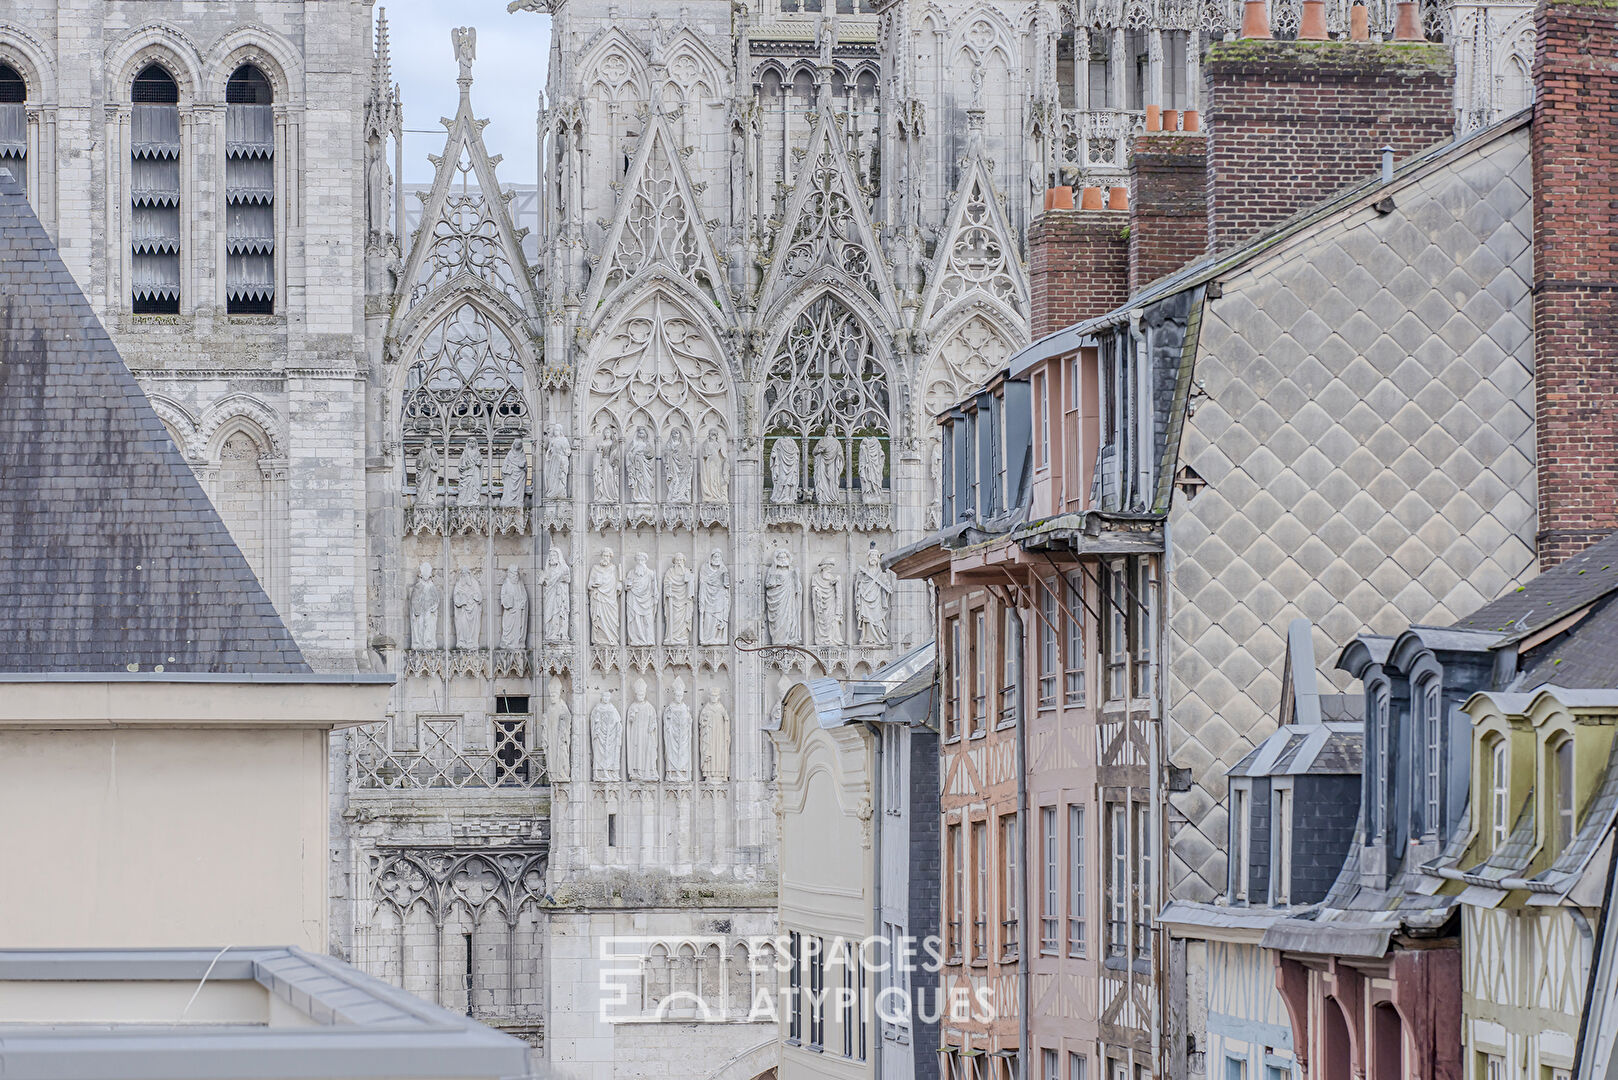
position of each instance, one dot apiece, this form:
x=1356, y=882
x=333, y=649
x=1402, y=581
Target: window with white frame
x=1077, y=945
x=1050, y=645
x=1143, y=880
x=1240, y=838
x=1145, y=627
x=1010, y=893
x=1051, y=1065
x=794, y=987
x=980, y=671
x=846, y=1002
x=955, y=707
x=1042, y=421
x=1378, y=714
x=1281, y=846
x=1118, y=879
x=980, y=891
x=1494, y=1067
x=1566, y=804
x=955, y=909
x=1073, y=625
x=1431, y=726
x=1010, y=675
x=1049, y=880
x=1499, y=794
x=1078, y=1066
x=14, y=124
x=817, y=992
x=1116, y=600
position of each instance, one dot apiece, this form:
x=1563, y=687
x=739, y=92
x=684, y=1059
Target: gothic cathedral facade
x=596, y=507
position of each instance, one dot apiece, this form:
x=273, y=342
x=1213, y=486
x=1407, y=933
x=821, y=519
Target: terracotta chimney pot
x=1171, y=117
x=1118, y=198
x=1408, y=25
x=1154, y=118
x=1091, y=199
x=1359, y=23
x=1192, y=121
x=1059, y=198
x=1312, y=27
x=1255, y=19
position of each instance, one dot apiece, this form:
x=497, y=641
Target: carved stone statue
x=873, y=463
x=427, y=476
x=713, y=730
x=606, y=738
x=715, y=474
x=605, y=475
x=677, y=735
x=558, y=459
x=783, y=601
x=513, y=610
x=604, y=586
x=784, y=471
x=713, y=601
x=642, y=736
x=640, y=603
x=677, y=467
x=873, y=596
x=826, y=603
x=559, y=726
x=828, y=470
x=514, y=476
x=642, y=477
x=378, y=190
x=556, y=590
x=465, y=39
x=424, y=601
x=470, y=490
x=468, y=600
x=679, y=594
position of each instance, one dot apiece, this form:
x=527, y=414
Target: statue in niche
x=424, y=601
x=679, y=594
x=873, y=596
x=559, y=725
x=677, y=466
x=556, y=592
x=513, y=610
x=427, y=476
x=642, y=735
x=469, y=492
x=715, y=474
x=638, y=467
x=784, y=471
x=713, y=601
x=655, y=45
x=468, y=601
x=378, y=190
x=603, y=585
x=606, y=738
x=604, y=477
x=826, y=603
x=514, y=476
x=873, y=463
x=558, y=459
x=713, y=730
x=465, y=39
x=677, y=735
x=640, y=603
x=783, y=601
x=828, y=470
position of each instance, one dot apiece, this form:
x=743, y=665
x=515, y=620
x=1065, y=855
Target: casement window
x=1143, y=628
x=1042, y=422
x=1050, y=1065
x=1050, y=880
x=249, y=193
x=817, y=994
x=1499, y=794
x=955, y=703
x=794, y=987
x=1378, y=716
x=979, y=647
x=1010, y=674
x=846, y=1004
x=1241, y=837
x=859, y=1011
x=154, y=197
x=14, y=125
x=1078, y=1066
x=1073, y=643
x=1076, y=921
x=1117, y=627
x=980, y=890
x=1117, y=879
x=955, y=909
x=1281, y=845
x=1430, y=723
x=1050, y=646
x=895, y=798
x=1494, y=1067
x=1010, y=893
x=1143, y=880
x=1566, y=804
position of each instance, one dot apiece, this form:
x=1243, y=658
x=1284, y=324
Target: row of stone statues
x=651, y=747
x=826, y=473
x=628, y=473
x=638, y=610
x=556, y=456
x=466, y=611
x=783, y=603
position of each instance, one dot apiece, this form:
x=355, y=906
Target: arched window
x=1427, y=700
x=13, y=124
x=249, y=193
x=1377, y=715
x=1499, y=794
x=1562, y=781
x=155, y=192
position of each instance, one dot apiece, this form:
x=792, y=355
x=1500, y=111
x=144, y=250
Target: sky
x=512, y=50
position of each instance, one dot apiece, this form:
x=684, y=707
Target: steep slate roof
x=111, y=555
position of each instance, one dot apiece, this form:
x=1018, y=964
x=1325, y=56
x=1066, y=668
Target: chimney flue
x=1408, y=25
x=1256, y=19
x=1312, y=27
x=1387, y=164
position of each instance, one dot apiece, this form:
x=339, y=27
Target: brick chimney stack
x=1292, y=122
x=1078, y=263
x=1168, y=214
x=1575, y=274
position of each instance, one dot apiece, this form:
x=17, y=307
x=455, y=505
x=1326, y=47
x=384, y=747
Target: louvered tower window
x=249, y=194
x=13, y=124
x=155, y=193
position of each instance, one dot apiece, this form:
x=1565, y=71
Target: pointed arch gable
x=976, y=343
x=982, y=30
x=482, y=303
x=241, y=412
x=181, y=425
x=597, y=65
x=979, y=253
x=31, y=59
x=690, y=53
x=691, y=302
x=409, y=325
x=265, y=49
x=658, y=223
x=166, y=44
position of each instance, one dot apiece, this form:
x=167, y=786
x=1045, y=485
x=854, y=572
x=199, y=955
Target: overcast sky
x=510, y=73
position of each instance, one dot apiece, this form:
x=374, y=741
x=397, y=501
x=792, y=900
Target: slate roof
x=1581, y=580
x=111, y=555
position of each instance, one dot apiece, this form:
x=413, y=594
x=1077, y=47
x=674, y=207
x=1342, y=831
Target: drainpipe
x=1024, y=915
x=1158, y=817
x=874, y=1028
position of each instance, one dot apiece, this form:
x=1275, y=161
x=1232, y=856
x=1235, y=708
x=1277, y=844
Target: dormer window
x=1499, y=795
x=1378, y=714
x=1430, y=725
x=1566, y=804
x=1281, y=844
x=1242, y=841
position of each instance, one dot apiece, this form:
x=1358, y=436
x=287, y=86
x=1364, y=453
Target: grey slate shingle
x=111, y=555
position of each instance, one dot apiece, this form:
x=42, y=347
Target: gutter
x=1505, y=884
x=1025, y=915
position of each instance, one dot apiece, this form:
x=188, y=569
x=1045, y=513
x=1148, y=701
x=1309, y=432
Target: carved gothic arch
x=181, y=425
x=412, y=325
x=165, y=44
x=844, y=290
x=1004, y=39
x=610, y=42
x=683, y=295
x=975, y=215
x=262, y=47
x=484, y=302
x=688, y=42
x=246, y=414
x=938, y=370
x=32, y=60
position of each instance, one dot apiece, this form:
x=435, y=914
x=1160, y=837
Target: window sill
x=1008, y=725
x=978, y=734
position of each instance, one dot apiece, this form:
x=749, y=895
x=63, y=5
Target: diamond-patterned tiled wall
x=1367, y=439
